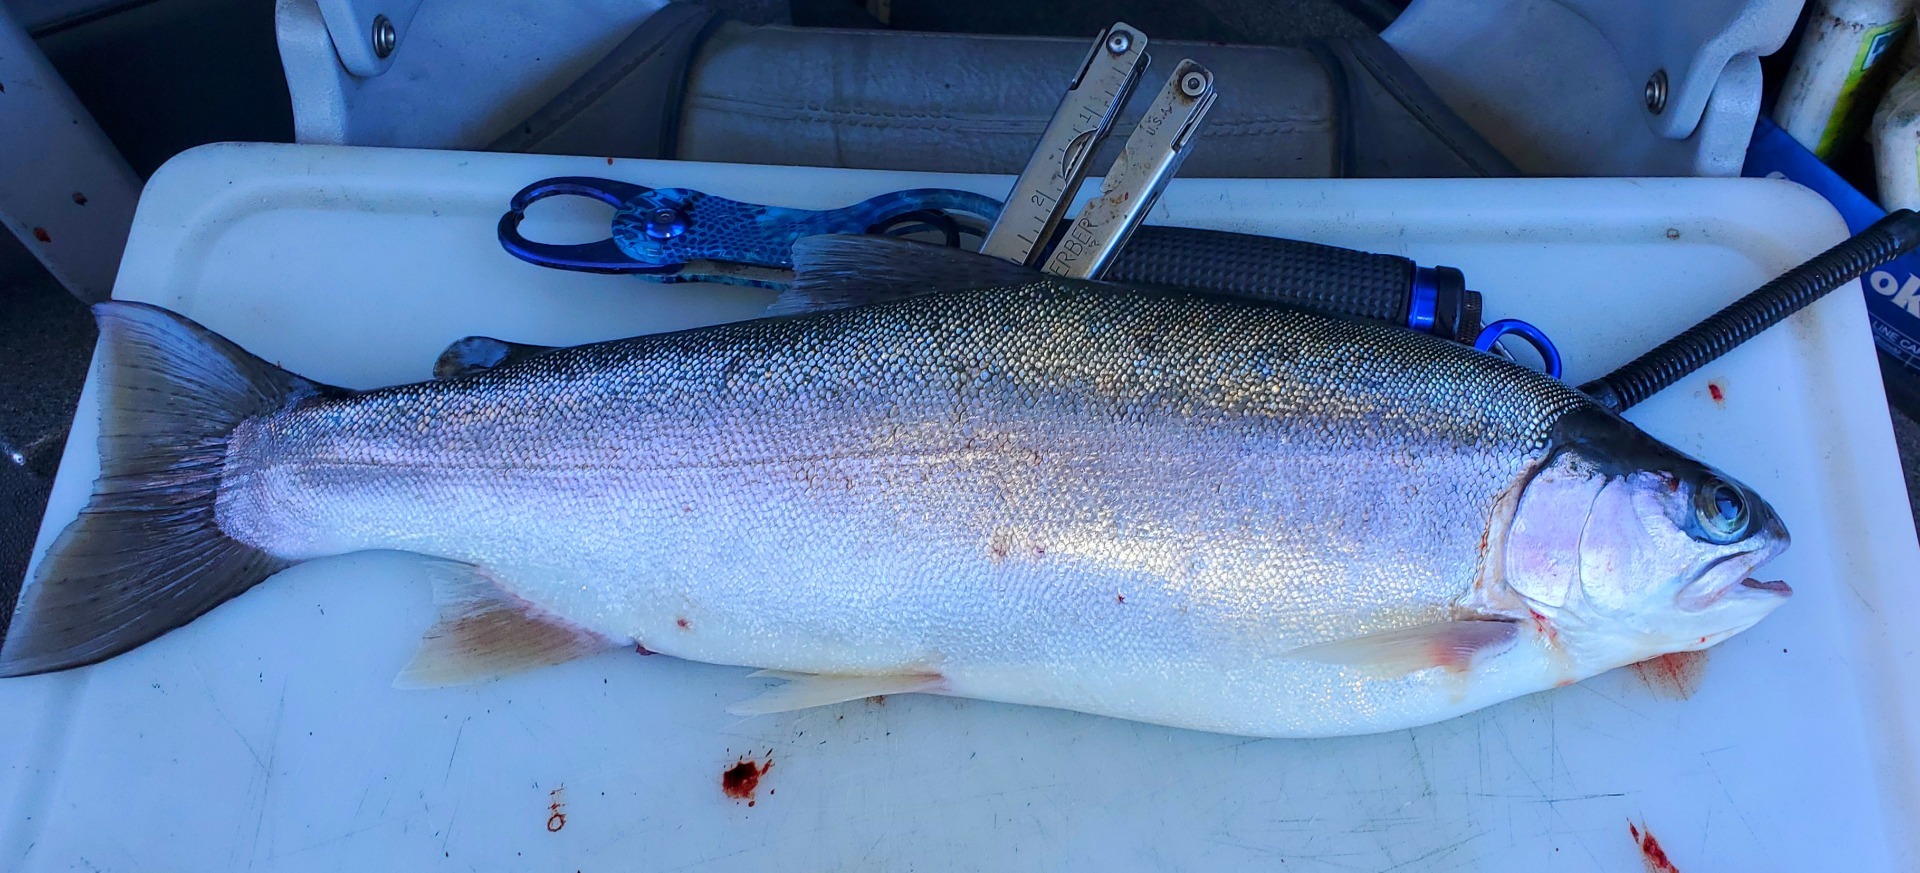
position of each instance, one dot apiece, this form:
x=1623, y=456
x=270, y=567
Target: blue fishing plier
x=682, y=235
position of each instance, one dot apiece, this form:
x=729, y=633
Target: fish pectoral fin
x=1456, y=645
x=804, y=690
x=484, y=632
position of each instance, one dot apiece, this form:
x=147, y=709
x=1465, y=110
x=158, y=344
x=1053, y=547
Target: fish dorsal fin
x=836, y=271
x=484, y=632
x=1457, y=645
x=804, y=690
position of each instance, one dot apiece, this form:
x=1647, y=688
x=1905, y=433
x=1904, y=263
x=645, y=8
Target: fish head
x=1630, y=549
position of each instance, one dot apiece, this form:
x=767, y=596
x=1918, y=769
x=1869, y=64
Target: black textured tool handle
x=1306, y=275
x=1742, y=320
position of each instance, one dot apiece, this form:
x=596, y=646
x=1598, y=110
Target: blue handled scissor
x=682, y=235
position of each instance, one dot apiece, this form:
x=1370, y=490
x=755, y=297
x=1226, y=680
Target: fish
x=947, y=474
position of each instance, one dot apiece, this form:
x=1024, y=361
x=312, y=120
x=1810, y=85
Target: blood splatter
x=640, y=649
x=1651, y=853
x=740, y=780
x=40, y=233
x=1119, y=598
x=681, y=623
x=1675, y=675
x=1719, y=395
x=556, y=809
x=79, y=199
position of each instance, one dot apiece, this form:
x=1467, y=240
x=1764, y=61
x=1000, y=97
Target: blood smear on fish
x=1676, y=675
x=1651, y=853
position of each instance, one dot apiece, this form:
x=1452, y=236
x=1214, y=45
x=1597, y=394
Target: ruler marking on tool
x=1152, y=154
x=1047, y=184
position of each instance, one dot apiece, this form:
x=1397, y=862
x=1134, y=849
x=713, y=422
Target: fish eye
x=1722, y=510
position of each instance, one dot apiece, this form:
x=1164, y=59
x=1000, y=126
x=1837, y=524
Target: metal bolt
x=1657, y=92
x=384, y=36
x=1193, y=84
x=1119, y=42
x=665, y=223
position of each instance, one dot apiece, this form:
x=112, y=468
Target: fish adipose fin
x=478, y=354
x=484, y=632
x=836, y=271
x=147, y=555
x=1456, y=645
x=804, y=690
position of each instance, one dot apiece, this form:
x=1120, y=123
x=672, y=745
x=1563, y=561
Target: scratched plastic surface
x=266, y=737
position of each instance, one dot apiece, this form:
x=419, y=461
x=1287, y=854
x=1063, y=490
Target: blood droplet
x=556, y=810
x=79, y=199
x=40, y=233
x=1719, y=396
x=1675, y=675
x=1651, y=853
x=681, y=623
x=740, y=780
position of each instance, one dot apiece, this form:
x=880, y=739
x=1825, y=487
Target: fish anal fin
x=803, y=690
x=485, y=632
x=1456, y=645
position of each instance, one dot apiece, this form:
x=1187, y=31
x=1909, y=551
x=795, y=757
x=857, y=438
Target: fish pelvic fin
x=485, y=632
x=147, y=554
x=837, y=271
x=1456, y=645
x=806, y=690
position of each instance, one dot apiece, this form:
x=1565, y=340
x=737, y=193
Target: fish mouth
x=1727, y=578
x=1776, y=587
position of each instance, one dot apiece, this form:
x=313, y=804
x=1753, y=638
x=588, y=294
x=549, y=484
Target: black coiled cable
x=1886, y=239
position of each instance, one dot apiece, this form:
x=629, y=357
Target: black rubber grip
x=1307, y=275
x=1890, y=237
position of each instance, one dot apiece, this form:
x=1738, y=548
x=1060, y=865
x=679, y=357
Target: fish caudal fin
x=484, y=632
x=147, y=555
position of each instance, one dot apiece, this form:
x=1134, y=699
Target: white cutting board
x=265, y=736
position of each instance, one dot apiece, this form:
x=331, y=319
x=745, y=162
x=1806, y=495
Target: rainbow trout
x=958, y=477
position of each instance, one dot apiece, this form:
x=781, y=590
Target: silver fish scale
x=1061, y=493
